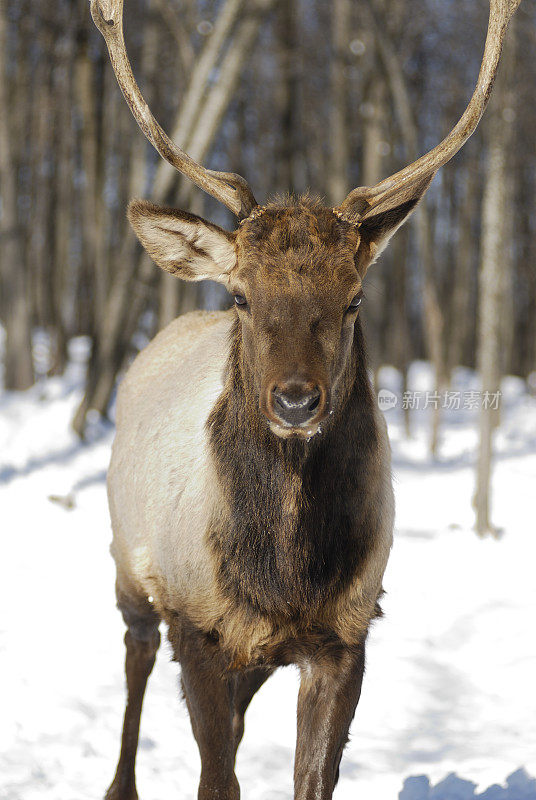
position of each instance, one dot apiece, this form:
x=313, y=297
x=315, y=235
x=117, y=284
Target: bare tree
x=338, y=173
x=463, y=273
x=492, y=279
x=433, y=314
x=18, y=365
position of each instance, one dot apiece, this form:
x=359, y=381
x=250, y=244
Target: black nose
x=295, y=407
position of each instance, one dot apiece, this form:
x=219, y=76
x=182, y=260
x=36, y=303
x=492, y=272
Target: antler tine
x=230, y=189
x=365, y=202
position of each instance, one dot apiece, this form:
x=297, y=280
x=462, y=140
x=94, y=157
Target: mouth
x=305, y=432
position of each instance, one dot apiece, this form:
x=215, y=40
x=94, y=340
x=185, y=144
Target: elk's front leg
x=209, y=695
x=142, y=640
x=329, y=693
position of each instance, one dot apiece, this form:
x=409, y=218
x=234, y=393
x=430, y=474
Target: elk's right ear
x=376, y=228
x=183, y=244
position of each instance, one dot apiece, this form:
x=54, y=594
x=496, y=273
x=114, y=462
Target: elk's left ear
x=183, y=244
x=376, y=229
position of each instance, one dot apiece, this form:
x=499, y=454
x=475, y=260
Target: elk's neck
x=296, y=522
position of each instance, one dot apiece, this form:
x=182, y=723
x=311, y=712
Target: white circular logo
x=386, y=399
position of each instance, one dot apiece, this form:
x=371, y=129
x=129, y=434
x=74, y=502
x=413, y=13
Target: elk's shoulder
x=192, y=349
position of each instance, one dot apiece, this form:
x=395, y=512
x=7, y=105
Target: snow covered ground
x=450, y=682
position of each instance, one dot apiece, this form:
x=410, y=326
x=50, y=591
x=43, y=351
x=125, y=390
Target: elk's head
x=295, y=268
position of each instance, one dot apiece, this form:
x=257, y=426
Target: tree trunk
x=63, y=267
x=373, y=135
x=401, y=335
x=175, y=24
x=461, y=280
x=337, y=179
x=18, y=363
x=290, y=173
x=433, y=316
x=492, y=279
x=39, y=240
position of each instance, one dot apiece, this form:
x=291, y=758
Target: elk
x=249, y=486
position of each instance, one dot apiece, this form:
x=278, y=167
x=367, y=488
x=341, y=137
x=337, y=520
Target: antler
x=413, y=180
x=230, y=189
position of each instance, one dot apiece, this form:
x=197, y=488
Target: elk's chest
x=293, y=536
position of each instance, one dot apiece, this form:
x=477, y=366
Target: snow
x=449, y=689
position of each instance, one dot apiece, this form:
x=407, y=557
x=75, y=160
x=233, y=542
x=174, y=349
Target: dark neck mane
x=298, y=521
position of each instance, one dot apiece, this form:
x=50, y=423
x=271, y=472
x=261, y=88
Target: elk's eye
x=356, y=302
x=240, y=300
